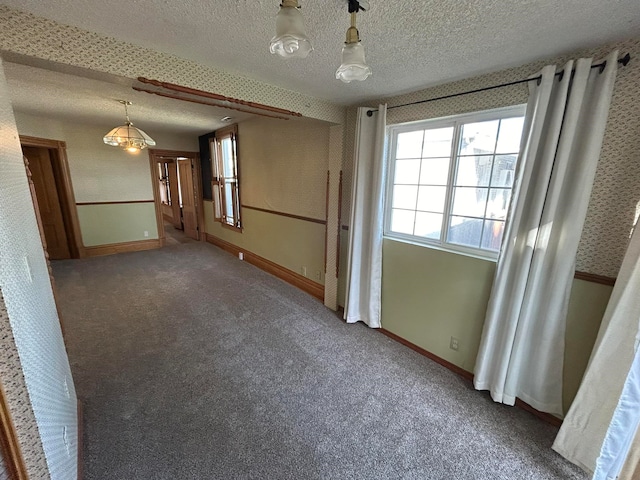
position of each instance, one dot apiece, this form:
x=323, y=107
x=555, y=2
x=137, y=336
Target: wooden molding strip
x=10, y=447
x=202, y=102
x=295, y=279
x=215, y=96
x=122, y=202
x=158, y=152
x=113, y=248
x=591, y=277
x=283, y=214
x=547, y=417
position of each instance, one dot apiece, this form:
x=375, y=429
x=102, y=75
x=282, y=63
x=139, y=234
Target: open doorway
x=178, y=199
x=53, y=198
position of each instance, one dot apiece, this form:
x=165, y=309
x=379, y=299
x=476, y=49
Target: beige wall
x=100, y=173
x=115, y=223
x=289, y=242
x=283, y=167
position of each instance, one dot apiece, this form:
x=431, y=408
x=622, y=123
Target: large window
x=226, y=178
x=450, y=180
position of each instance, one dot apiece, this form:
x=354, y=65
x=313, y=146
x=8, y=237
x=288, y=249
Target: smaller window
x=226, y=177
x=450, y=180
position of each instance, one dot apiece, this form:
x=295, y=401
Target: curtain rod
x=622, y=61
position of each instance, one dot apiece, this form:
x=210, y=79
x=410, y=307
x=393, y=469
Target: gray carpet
x=194, y=365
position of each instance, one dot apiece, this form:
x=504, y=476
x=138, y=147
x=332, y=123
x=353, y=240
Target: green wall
x=116, y=223
x=429, y=296
x=289, y=242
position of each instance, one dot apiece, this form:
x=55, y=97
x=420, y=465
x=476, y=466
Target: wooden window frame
x=219, y=182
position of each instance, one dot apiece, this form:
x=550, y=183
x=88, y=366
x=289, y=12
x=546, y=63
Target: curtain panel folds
x=521, y=353
x=612, y=378
x=364, y=269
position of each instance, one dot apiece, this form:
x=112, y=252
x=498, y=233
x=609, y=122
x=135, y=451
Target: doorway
x=178, y=198
x=46, y=162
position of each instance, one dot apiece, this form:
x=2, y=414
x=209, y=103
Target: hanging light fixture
x=291, y=39
x=354, y=65
x=127, y=136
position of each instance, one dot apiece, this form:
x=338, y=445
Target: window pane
x=431, y=199
x=479, y=137
x=409, y=144
x=407, y=172
x=404, y=197
x=470, y=202
x=498, y=203
x=504, y=170
x=474, y=171
x=434, y=171
x=228, y=204
x=465, y=231
x=492, y=235
x=402, y=221
x=428, y=225
x=510, y=134
x=437, y=142
x=227, y=157
x=216, y=201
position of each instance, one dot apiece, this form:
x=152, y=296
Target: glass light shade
x=291, y=40
x=129, y=138
x=354, y=66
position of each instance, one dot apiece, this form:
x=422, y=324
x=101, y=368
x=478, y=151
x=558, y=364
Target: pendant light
x=354, y=65
x=291, y=39
x=127, y=136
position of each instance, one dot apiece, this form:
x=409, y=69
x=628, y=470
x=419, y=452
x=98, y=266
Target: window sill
x=453, y=250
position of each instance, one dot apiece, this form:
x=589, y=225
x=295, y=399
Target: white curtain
x=364, y=271
x=522, y=348
x=581, y=436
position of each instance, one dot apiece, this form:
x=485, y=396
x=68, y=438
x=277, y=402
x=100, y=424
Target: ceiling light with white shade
x=291, y=39
x=127, y=136
x=354, y=65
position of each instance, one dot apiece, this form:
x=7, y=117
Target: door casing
x=156, y=156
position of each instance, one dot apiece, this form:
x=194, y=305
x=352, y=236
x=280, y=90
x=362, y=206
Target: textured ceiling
x=88, y=100
x=409, y=45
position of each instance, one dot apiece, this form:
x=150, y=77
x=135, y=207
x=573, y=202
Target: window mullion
x=415, y=210
x=453, y=163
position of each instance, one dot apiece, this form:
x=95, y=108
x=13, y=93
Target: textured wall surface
x=283, y=165
x=30, y=306
x=616, y=191
x=4, y=474
x=17, y=397
x=26, y=34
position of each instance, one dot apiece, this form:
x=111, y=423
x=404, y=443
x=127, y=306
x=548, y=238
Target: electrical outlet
x=241, y=255
x=318, y=275
x=454, y=343
x=146, y=233
x=304, y=271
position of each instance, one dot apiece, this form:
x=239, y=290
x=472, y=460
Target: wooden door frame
x=9, y=444
x=156, y=156
x=60, y=164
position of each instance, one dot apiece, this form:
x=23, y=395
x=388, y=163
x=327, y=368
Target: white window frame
x=455, y=121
